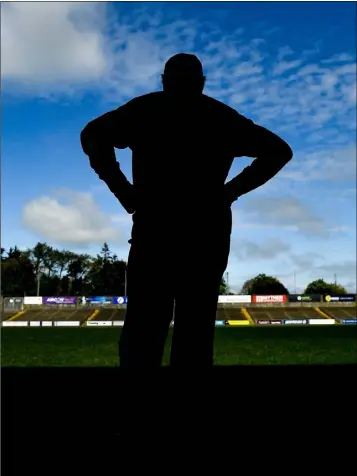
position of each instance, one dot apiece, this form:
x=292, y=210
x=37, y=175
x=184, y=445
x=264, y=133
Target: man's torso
x=180, y=152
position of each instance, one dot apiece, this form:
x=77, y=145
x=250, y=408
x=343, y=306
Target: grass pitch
x=69, y=347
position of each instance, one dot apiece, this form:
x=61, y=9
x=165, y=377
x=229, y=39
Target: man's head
x=183, y=76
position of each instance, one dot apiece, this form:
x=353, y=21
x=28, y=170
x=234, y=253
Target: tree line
x=48, y=271
x=263, y=284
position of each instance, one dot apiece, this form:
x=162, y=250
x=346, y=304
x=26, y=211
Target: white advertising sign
x=274, y=298
x=32, y=300
x=15, y=323
x=239, y=298
x=322, y=322
x=67, y=323
x=99, y=323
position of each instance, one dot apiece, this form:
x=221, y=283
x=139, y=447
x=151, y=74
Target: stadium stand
x=6, y=315
x=272, y=313
x=110, y=315
x=56, y=315
x=340, y=312
x=229, y=313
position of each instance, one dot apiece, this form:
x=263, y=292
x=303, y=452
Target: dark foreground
x=74, y=417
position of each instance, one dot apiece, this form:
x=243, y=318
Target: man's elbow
x=277, y=156
x=287, y=153
x=284, y=153
x=87, y=138
x=272, y=146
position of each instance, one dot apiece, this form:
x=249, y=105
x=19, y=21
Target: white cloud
x=71, y=218
x=270, y=249
x=332, y=165
x=305, y=261
x=48, y=44
x=345, y=270
x=285, y=212
x=87, y=46
x=338, y=58
x=341, y=228
x=284, y=66
x=124, y=220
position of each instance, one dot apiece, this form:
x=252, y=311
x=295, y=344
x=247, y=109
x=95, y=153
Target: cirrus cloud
x=94, y=47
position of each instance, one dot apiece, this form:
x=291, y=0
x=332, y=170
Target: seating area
x=340, y=312
x=275, y=313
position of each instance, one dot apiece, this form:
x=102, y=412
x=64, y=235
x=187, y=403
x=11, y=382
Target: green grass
x=24, y=347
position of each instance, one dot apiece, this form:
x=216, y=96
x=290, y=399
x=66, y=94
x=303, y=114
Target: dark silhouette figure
x=183, y=144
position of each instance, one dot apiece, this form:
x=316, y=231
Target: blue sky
x=289, y=66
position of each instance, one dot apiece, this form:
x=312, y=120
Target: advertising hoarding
x=237, y=323
x=237, y=298
x=66, y=323
x=99, y=300
x=339, y=297
x=321, y=322
x=268, y=322
x=15, y=323
x=120, y=300
x=296, y=321
x=278, y=298
x=59, y=300
x=33, y=300
x=304, y=298
x=99, y=323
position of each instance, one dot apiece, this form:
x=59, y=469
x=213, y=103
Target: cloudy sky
x=289, y=66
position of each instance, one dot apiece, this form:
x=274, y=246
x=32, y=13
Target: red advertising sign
x=273, y=298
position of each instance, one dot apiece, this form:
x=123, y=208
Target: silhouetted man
x=183, y=144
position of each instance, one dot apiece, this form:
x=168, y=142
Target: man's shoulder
x=211, y=102
x=146, y=100
x=222, y=109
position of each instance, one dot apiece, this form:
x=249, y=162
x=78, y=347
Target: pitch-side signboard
x=32, y=300
x=99, y=323
x=321, y=322
x=120, y=300
x=304, y=298
x=237, y=298
x=237, y=323
x=278, y=298
x=296, y=321
x=349, y=321
x=59, y=300
x=99, y=300
x=66, y=323
x=268, y=322
x=15, y=323
x=339, y=297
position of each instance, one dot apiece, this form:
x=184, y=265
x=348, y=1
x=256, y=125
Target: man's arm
x=271, y=154
x=98, y=140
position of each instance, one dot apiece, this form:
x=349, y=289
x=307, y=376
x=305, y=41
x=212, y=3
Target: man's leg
x=149, y=309
x=195, y=309
x=193, y=336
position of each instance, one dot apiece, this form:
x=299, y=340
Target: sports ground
x=66, y=316
x=88, y=337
